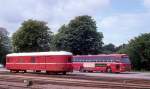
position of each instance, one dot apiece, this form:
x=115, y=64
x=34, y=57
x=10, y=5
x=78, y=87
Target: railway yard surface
x=75, y=80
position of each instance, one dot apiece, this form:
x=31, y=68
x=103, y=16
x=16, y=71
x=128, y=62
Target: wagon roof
x=102, y=55
x=40, y=53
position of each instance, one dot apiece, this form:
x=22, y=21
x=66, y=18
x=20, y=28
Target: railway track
x=73, y=76
x=9, y=79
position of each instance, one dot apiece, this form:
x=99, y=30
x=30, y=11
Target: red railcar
x=102, y=62
x=56, y=62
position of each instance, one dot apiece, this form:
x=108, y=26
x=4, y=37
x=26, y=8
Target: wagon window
x=90, y=60
x=32, y=59
x=76, y=59
x=97, y=60
x=100, y=59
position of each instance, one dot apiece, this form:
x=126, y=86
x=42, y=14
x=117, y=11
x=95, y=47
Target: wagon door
x=50, y=63
x=40, y=63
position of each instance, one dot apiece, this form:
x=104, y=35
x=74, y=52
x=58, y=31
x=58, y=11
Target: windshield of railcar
x=125, y=60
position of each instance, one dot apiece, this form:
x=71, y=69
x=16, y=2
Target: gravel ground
x=136, y=75
x=49, y=86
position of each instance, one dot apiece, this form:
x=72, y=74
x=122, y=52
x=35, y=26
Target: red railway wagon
x=103, y=62
x=51, y=62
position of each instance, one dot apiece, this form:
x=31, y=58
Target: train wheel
x=109, y=70
x=48, y=72
x=15, y=71
x=64, y=73
x=81, y=69
x=38, y=71
x=90, y=71
x=25, y=71
x=11, y=71
x=51, y=73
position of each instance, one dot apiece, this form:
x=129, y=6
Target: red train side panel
x=45, y=61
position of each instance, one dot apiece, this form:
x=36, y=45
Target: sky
x=118, y=20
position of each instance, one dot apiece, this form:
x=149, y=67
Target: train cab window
x=32, y=59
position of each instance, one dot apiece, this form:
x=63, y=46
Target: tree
x=32, y=36
x=139, y=51
x=109, y=48
x=5, y=46
x=80, y=36
x=122, y=46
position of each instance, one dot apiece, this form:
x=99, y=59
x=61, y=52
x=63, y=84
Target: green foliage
x=139, y=51
x=5, y=46
x=109, y=48
x=80, y=36
x=32, y=36
x=119, y=48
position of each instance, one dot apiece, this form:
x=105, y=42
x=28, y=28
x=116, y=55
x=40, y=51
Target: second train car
x=103, y=62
